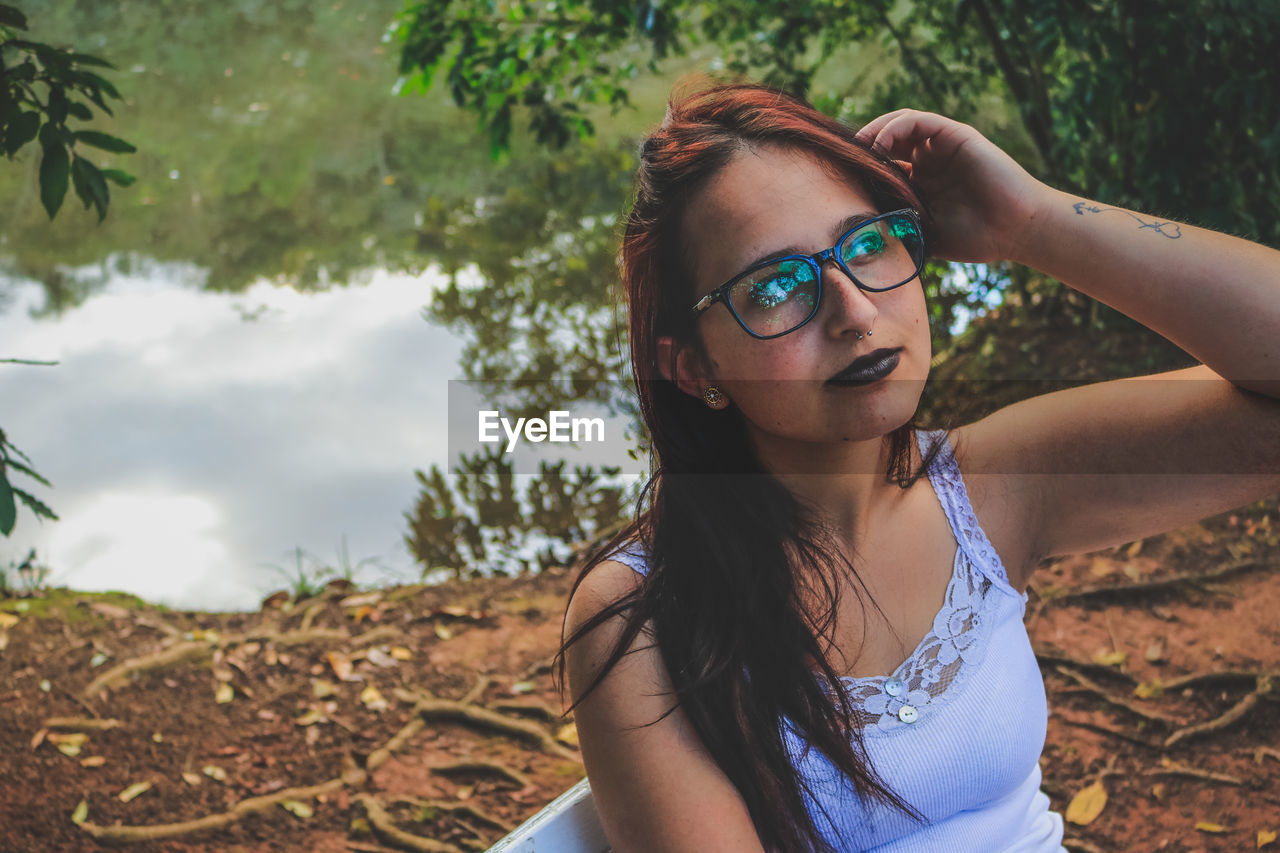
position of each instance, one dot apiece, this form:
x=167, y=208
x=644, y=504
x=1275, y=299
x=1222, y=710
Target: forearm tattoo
x=1168, y=229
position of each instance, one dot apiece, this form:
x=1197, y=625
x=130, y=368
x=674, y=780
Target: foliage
x=483, y=520
x=11, y=458
x=542, y=236
x=31, y=577
x=29, y=69
x=304, y=581
x=1161, y=105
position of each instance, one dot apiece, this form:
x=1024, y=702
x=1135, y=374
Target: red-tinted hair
x=722, y=535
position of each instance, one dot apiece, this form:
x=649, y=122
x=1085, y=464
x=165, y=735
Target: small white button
x=893, y=687
x=908, y=714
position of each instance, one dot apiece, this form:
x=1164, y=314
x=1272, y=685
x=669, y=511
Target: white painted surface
x=568, y=824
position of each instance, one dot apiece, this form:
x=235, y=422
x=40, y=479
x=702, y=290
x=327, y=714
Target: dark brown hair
x=723, y=537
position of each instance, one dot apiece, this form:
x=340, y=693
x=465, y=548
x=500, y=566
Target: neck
x=844, y=482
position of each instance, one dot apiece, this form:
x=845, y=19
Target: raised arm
x=1104, y=464
x=1215, y=296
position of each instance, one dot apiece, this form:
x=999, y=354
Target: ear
x=684, y=365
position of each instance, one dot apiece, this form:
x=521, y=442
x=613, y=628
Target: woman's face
x=771, y=201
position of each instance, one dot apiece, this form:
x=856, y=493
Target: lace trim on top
x=957, y=643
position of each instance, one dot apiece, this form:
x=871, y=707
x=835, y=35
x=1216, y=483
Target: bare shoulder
x=1004, y=503
x=655, y=785
x=1099, y=465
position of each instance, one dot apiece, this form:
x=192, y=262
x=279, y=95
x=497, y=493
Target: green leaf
x=34, y=504
x=21, y=130
x=56, y=109
x=95, y=81
x=118, y=177
x=11, y=17
x=55, y=169
x=87, y=174
x=80, y=183
x=79, y=110
x=8, y=509
x=25, y=469
x=87, y=59
x=104, y=141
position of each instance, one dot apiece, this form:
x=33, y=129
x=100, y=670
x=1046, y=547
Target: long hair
x=724, y=537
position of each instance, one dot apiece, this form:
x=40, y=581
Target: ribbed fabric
x=958, y=728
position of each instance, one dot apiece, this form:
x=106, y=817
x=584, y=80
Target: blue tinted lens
x=777, y=298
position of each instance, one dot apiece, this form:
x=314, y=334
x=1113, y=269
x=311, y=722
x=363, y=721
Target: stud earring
x=714, y=397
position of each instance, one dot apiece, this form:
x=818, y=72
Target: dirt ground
x=334, y=723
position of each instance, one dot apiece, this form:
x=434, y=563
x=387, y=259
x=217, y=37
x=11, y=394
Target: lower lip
x=873, y=373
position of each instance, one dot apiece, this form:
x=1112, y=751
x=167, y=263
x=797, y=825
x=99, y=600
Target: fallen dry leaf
x=372, y=699
x=1264, y=838
x=93, y=761
x=81, y=814
x=1108, y=658
x=133, y=791
x=1149, y=690
x=213, y=771
x=1205, y=826
x=341, y=666
x=297, y=807
x=1087, y=804
x=190, y=778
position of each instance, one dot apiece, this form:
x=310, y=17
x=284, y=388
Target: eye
x=863, y=245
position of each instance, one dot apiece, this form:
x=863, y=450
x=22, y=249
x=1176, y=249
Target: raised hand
x=982, y=201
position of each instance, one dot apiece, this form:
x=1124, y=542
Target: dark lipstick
x=868, y=368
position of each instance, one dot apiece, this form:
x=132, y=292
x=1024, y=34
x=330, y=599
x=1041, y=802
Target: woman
x=730, y=695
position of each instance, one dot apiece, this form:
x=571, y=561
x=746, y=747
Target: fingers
x=899, y=132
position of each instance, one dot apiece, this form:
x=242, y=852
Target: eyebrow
x=842, y=227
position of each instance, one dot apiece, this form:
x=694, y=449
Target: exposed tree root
x=527, y=708
x=1054, y=659
x=1146, y=714
x=1155, y=585
x=1177, y=768
x=474, y=715
x=1234, y=714
x=481, y=685
x=311, y=635
x=181, y=653
x=378, y=634
x=484, y=768
x=455, y=808
x=128, y=834
x=1230, y=676
x=544, y=665
x=380, y=755
x=81, y=724
x=386, y=829
x=1107, y=731
x=309, y=616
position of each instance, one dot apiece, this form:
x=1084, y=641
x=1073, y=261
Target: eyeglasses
x=778, y=296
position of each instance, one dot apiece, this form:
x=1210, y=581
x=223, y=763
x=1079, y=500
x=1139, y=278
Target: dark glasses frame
x=815, y=261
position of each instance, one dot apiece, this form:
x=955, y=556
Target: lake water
x=195, y=439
